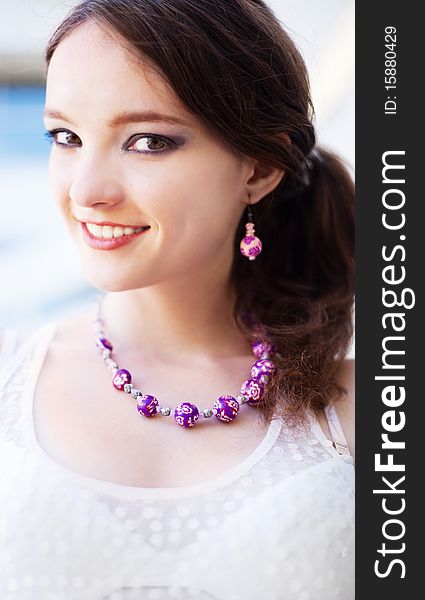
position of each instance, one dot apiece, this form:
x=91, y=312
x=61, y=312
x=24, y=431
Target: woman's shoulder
x=16, y=341
x=66, y=326
x=11, y=340
x=346, y=378
x=345, y=404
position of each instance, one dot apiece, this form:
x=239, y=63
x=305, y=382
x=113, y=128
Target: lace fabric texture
x=279, y=526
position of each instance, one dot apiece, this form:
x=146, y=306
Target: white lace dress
x=278, y=526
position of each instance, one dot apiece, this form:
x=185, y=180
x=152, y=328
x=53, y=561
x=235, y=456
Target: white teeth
x=118, y=232
x=95, y=230
x=108, y=232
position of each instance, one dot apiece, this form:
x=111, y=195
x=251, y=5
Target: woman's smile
x=109, y=237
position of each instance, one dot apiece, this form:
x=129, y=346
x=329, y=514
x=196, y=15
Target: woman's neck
x=174, y=322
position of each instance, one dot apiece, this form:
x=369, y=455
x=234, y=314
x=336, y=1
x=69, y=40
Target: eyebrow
x=126, y=117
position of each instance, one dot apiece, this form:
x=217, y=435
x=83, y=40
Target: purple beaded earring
x=250, y=245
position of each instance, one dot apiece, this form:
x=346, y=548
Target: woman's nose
x=96, y=183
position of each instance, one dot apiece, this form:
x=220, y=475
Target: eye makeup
x=53, y=136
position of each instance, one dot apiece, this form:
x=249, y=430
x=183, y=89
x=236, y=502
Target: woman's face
x=111, y=165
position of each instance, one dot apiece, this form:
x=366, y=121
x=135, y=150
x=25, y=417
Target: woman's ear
x=264, y=179
x=262, y=182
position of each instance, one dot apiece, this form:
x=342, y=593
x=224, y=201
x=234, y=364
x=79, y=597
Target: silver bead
x=208, y=412
x=165, y=411
x=128, y=387
x=241, y=398
x=111, y=364
x=106, y=353
x=135, y=392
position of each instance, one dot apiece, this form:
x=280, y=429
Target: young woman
x=192, y=434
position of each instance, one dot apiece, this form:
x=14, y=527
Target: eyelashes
x=52, y=137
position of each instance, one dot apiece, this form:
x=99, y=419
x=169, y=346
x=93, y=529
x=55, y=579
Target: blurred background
x=39, y=267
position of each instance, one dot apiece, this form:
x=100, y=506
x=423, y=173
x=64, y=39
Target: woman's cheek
x=58, y=172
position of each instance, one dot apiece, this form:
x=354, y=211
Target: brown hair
x=233, y=65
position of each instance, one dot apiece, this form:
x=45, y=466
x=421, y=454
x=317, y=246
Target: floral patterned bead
x=227, y=408
x=251, y=246
x=147, y=405
x=121, y=377
x=104, y=344
x=186, y=414
x=262, y=367
x=261, y=349
x=264, y=379
x=253, y=390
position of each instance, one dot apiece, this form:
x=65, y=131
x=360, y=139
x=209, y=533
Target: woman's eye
x=148, y=144
x=140, y=144
x=63, y=137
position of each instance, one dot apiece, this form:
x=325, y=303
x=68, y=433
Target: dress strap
x=15, y=346
x=338, y=437
x=9, y=344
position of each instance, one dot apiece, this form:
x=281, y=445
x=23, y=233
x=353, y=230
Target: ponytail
x=299, y=292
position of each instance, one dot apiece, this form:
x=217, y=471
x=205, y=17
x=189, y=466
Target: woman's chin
x=108, y=282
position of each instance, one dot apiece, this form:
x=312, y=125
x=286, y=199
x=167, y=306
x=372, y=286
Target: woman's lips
x=108, y=244
x=114, y=224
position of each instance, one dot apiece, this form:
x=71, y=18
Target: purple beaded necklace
x=225, y=408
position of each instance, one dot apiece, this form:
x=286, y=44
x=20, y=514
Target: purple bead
x=186, y=414
x=227, y=408
x=250, y=246
x=121, y=377
x=104, y=344
x=263, y=348
x=254, y=391
x=262, y=370
x=147, y=405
